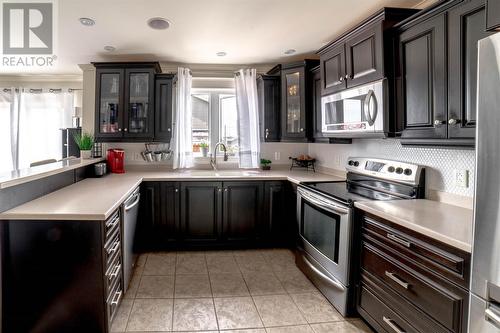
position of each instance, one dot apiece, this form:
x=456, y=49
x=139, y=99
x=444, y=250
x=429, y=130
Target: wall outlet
x=277, y=155
x=462, y=178
x=138, y=157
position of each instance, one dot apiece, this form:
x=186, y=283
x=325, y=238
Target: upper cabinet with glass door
x=297, y=101
x=125, y=101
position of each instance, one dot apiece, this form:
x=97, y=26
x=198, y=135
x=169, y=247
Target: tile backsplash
x=439, y=163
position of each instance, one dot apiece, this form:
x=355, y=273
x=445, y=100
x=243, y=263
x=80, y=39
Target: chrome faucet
x=213, y=157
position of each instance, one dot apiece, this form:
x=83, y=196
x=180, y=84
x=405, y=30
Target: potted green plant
x=265, y=164
x=85, y=142
x=204, y=149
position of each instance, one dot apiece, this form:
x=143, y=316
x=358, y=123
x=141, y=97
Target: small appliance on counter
x=100, y=169
x=116, y=159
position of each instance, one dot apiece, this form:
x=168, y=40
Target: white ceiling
x=250, y=31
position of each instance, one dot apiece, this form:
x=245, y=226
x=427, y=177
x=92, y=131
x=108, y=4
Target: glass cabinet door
x=139, y=118
x=293, y=117
x=109, y=103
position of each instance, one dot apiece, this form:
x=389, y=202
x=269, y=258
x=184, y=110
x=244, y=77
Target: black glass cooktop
x=348, y=192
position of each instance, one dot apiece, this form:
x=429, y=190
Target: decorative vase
x=204, y=151
x=86, y=154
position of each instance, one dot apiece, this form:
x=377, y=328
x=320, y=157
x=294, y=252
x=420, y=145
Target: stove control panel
x=385, y=169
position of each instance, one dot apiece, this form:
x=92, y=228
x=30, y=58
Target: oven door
x=325, y=234
x=354, y=112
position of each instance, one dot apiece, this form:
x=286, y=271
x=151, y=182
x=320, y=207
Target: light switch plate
x=277, y=155
x=462, y=178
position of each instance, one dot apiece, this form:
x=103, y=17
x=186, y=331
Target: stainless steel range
x=325, y=218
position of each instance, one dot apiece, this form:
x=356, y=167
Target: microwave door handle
x=366, y=108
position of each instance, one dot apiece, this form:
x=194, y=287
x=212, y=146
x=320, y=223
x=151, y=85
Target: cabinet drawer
x=433, y=298
x=112, y=247
x=113, y=271
x=113, y=300
x=392, y=300
x=382, y=314
x=112, y=224
x=453, y=266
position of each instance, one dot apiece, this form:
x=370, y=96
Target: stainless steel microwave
x=356, y=112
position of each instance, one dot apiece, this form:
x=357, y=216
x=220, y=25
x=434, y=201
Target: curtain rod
x=40, y=90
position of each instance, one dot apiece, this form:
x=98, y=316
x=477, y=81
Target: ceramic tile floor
x=249, y=291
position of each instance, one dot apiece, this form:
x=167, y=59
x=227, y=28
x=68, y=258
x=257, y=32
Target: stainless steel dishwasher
x=130, y=209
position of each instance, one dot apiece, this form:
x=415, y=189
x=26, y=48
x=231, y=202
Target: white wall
x=439, y=163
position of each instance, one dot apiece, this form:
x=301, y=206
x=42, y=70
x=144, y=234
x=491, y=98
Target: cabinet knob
x=453, y=121
x=125, y=129
x=119, y=130
x=220, y=190
x=168, y=129
x=225, y=190
x=348, y=77
x=302, y=130
x=438, y=123
x=267, y=133
x=341, y=78
x=176, y=190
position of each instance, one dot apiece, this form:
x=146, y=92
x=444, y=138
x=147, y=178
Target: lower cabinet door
x=243, y=202
x=201, y=211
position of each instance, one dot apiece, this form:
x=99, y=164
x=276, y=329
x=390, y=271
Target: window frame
x=214, y=116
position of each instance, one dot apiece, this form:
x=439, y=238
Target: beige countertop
x=97, y=198
x=29, y=174
x=449, y=224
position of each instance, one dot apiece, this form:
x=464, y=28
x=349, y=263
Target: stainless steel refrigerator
x=485, y=284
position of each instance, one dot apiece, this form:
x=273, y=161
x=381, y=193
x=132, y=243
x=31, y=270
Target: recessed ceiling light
x=221, y=54
x=158, y=23
x=290, y=51
x=109, y=48
x=86, y=21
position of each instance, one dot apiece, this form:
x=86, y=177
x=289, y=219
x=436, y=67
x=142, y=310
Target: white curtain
x=248, y=117
x=182, y=141
x=41, y=118
x=9, y=130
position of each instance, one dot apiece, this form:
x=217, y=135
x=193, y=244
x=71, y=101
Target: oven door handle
x=322, y=203
x=330, y=279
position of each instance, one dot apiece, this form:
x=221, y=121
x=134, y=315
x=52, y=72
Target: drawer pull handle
x=396, y=279
x=115, y=272
x=112, y=223
x=398, y=240
x=115, y=247
x=395, y=327
x=116, y=298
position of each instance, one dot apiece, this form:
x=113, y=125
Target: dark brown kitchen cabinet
x=269, y=93
x=422, y=79
x=242, y=214
x=208, y=213
x=60, y=276
x=333, y=70
x=201, y=211
x=296, y=101
x=361, y=55
x=125, y=101
x=466, y=28
x=164, y=91
x=408, y=281
x=437, y=73
x=277, y=227
x=316, y=92
x=364, y=56
x=492, y=14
